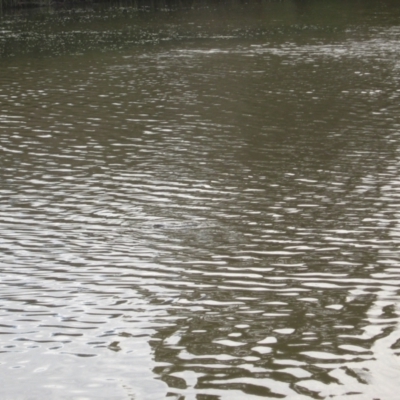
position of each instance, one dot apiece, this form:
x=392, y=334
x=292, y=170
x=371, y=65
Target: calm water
x=200, y=203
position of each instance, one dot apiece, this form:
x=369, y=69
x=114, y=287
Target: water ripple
x=191, y=221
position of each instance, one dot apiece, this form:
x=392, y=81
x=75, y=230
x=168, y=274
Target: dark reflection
x=302, y=6
x=124, y=26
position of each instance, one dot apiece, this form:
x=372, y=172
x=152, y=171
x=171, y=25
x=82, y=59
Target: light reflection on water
x=202, y=219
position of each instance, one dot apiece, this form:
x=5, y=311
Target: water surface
x=200, y=202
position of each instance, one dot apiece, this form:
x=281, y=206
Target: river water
x=200, y=202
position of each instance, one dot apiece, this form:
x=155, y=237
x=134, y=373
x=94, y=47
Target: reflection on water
x=202, y=207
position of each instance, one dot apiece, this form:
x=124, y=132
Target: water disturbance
x=200, y=202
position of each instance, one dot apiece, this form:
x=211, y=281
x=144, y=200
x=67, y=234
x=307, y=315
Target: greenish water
x=200, y=202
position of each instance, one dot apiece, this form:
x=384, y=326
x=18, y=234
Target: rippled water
x=200, y=203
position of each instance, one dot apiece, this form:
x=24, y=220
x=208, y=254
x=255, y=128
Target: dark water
x=200, y=203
